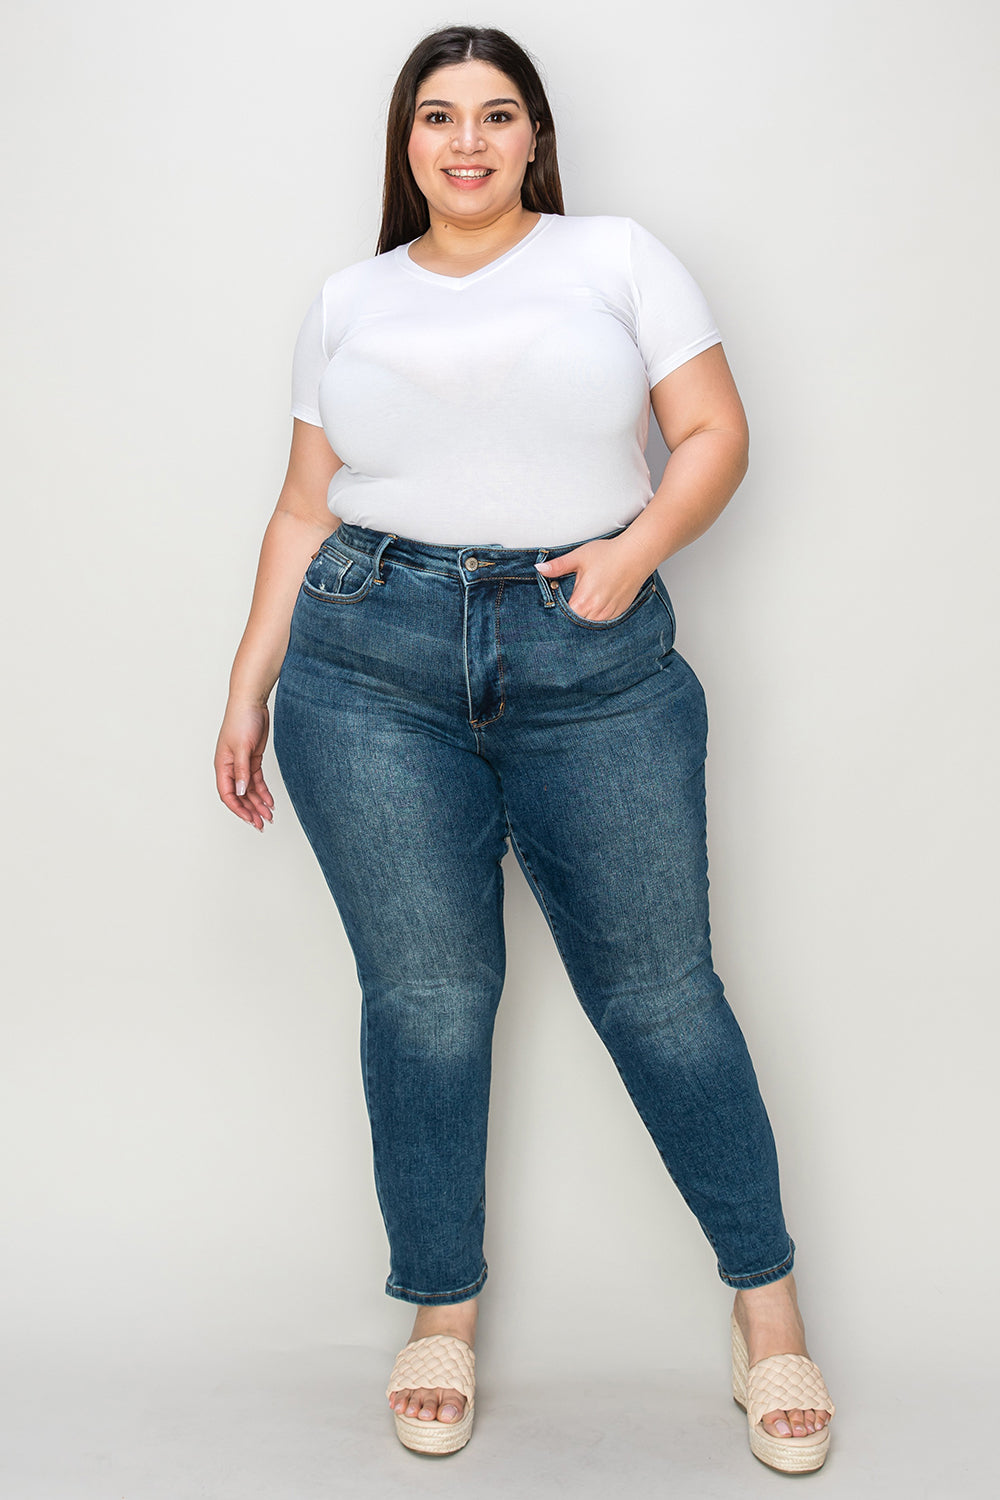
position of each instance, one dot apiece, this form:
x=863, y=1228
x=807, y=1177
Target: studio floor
x=313, y=1424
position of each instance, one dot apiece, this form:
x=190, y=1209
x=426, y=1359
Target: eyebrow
x=449, y=105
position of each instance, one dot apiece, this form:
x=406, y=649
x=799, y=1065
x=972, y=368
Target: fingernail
x=241, y=789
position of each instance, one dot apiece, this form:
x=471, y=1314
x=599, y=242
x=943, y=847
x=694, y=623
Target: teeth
x=458, y=172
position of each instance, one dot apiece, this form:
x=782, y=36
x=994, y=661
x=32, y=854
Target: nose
x=467, y=138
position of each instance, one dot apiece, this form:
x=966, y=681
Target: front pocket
x=665, y=600
x=333, y=577
x=568, y=580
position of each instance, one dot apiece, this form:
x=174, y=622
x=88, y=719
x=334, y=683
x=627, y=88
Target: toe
x=795, y=1423
x=428, y=1405
x=451, y=1406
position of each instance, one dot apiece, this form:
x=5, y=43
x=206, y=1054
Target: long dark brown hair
x=404, y=208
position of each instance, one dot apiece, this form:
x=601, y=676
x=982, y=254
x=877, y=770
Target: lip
x=467, y=183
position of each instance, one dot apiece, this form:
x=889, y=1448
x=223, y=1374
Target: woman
x=482, y=650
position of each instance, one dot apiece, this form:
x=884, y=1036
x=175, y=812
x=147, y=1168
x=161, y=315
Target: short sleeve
x=309, y=361
x=673, y=319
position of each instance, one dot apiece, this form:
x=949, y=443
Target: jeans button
x=472, y=563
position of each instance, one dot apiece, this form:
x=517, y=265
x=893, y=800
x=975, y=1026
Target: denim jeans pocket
x=334, y=577
x=562, y=587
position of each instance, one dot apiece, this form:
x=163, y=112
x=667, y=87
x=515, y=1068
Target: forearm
x=700, y=478
x=289, y=542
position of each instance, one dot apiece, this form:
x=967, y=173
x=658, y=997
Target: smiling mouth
x=468, y=171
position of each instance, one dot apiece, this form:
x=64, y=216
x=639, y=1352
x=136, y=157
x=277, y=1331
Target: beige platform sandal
x=782, y=1382
x=440, y=1359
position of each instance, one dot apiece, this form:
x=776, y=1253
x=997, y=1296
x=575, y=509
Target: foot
x=439, y=1404
x=771, y=1323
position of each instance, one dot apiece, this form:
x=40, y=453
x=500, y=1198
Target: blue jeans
x=434, y=702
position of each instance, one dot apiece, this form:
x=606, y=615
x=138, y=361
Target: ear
x=535, y=141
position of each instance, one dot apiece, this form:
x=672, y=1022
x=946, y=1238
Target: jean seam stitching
x=411, y=1291
x=482, y=723
x=418, y=568
x=465, y=655
x=541, y=897
x=354, y=598
x=457, y=577
x=753, y=1275
x=667, y=606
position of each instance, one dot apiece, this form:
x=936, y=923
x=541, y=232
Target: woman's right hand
x=238, y=757
x=301, y=521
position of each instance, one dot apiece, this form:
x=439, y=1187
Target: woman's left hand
x=607, y=579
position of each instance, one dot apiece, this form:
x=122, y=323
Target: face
x=470, y=118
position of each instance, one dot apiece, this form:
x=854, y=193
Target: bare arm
x=704, y=425
x=301, y=521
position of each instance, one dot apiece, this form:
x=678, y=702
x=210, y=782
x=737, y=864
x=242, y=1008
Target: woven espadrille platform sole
x=782, y=1382
x=439, y=1360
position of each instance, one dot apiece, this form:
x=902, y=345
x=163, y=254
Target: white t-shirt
x=509, y=406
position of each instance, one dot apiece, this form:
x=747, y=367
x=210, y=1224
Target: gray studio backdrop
x=186, y=1155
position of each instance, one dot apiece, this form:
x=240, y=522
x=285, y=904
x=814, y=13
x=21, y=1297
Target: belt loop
x=543, y=582
x=390, y=536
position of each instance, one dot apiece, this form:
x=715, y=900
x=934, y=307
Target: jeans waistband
x=464, y=563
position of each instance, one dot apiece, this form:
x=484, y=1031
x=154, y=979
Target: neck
x=453, y=237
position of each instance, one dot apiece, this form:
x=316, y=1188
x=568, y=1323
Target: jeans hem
x=762, y=1278
x=405, y=1294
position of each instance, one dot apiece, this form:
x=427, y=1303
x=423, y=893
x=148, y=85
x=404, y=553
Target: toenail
x=783, y=1428
x=448, y=1411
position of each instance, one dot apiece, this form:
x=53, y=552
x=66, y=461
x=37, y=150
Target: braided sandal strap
x=439, y=1360
x=785, y=1382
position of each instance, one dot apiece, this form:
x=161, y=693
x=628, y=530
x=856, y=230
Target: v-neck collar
x=438, y=278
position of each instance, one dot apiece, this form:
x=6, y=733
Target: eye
x=434, y=115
